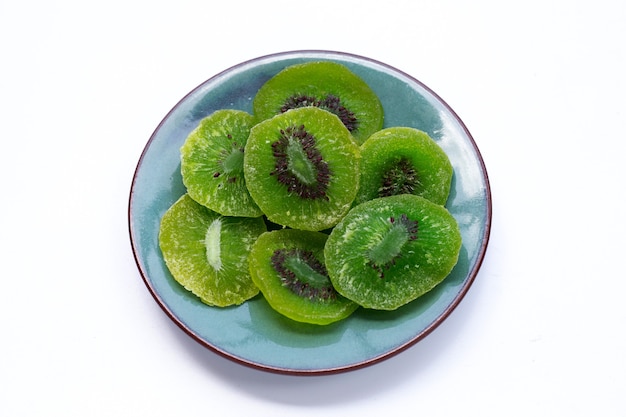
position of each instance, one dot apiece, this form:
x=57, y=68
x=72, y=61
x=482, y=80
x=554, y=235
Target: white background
x=540, y=85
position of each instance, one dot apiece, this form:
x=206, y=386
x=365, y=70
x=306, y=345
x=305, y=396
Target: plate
x=253, y=334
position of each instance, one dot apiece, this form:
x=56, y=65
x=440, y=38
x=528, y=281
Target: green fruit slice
x=288, y=267
x=388, y=251
x=212, y=163
x=208, y=253
x=325, y=84
x=403, y=160
x=302, y=168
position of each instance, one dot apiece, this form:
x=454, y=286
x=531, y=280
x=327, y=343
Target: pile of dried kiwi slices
x=310, y=202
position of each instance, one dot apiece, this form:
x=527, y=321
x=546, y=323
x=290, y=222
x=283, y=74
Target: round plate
x=253, y=334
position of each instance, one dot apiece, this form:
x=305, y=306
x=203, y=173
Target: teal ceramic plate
x=253, y=334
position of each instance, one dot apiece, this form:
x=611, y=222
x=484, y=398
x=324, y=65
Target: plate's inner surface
x=253, y=333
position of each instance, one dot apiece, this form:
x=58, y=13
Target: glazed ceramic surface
x=255, y=335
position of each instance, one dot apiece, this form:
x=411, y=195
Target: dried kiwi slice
x=288, y=267
x=212, y=163
x=208, y=253
x=404, y=160
x=302, y=168
x=325, y=84
x=388, y=251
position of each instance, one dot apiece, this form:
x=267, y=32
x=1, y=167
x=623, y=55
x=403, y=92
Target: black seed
x=329, y=103
x=411, y=226
x=401, y=178
x=333, y=104
x=297, y=101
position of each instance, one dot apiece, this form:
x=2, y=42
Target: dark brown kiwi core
x=329, y=103
x=299, y=164
x=401, y=178
x=231, y=162
x=301, y=272
x=387, y=249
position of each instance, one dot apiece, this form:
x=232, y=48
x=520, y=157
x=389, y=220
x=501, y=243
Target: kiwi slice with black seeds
x=288, y=267
x=212, y=163
x=302, y=168
x=329, y=85
x=389, y=251
x=207, y=253
x=404, y=160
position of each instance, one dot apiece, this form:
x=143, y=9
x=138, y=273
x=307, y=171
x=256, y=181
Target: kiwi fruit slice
x=302, y=168
x=404, y=160
x=389, y=251
x=325, y=84
x=207, y=253
x=288, y=267
x=212, y=163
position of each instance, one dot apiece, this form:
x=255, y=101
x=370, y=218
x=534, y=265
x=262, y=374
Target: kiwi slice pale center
x=301, y=272
x=299, y=164
x=387, y=247
x=233, y=162
x=212, y=240
x=305, y=272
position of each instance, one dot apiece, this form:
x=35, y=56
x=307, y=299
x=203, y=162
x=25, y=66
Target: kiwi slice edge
x=389, y=251
x=288, y=267
x=207, y=253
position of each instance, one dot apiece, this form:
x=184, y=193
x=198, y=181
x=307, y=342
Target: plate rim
x=471, y=276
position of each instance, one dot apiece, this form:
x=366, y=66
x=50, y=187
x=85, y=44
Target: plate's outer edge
x=321, y=54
